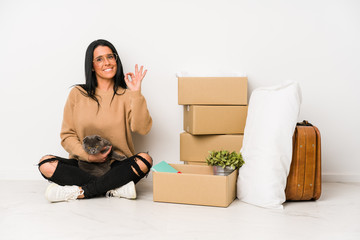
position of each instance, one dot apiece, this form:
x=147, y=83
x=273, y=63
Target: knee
x=143, y=167
x=146, y=157
x=47, y=168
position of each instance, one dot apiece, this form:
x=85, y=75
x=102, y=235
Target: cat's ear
x=98, y=138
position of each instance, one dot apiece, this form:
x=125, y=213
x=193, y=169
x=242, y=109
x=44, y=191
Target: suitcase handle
x=304, y=123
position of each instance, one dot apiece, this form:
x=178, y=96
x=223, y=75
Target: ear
x=98, y=138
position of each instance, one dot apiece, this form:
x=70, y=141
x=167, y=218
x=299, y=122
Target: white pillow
x=267, y=144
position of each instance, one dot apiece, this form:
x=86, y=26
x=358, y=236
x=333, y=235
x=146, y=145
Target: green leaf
x=224, y=158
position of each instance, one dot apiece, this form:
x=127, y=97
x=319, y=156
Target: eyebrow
x=104, y=55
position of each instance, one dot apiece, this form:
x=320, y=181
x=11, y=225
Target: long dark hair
x=90, y=77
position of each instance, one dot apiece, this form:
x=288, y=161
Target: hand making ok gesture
x=134, y=84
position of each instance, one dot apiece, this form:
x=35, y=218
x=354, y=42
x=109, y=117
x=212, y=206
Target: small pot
x=218, y=170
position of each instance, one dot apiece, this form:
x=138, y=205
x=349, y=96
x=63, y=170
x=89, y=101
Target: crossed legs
x=66, y=172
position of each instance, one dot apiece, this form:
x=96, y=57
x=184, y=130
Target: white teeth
x=107, y=70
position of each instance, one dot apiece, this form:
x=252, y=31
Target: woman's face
x=104, y=63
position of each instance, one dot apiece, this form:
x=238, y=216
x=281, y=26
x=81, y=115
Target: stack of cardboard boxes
x=215, y=110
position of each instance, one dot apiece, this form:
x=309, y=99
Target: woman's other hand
x=134, y=84
x=99, y=157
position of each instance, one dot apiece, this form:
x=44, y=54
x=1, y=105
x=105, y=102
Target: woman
x=110, y=105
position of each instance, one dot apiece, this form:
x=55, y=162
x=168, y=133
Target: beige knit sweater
x=127, y=113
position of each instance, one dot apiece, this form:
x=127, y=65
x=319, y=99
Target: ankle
x=81, y=196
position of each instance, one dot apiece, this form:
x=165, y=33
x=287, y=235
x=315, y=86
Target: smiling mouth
x=108, y=70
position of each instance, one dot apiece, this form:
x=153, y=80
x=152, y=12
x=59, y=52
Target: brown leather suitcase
x=304, y=179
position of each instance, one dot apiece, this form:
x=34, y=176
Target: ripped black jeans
x=68, y=172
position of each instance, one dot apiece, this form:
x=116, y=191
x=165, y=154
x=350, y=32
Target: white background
x=43, y=43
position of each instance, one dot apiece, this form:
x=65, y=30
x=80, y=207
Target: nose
x=106, y=61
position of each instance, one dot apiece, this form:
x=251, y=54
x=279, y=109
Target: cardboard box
x=212, y=90
x=195, y=148
x=194, y=185
x=200, y=119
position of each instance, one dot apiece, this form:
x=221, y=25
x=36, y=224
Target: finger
x=107, y=152
x=127, y=79
x=144, y=73
x=141, y=69
x=105, y=148
x=136, y=69
x=127, y=74
x=133, y=77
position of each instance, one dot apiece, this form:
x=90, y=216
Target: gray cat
x=92, y=145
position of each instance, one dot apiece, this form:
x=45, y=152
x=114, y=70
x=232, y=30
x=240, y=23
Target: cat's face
x=93, y=144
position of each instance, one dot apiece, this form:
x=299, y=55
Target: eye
x=99, y=60
x=110, y=57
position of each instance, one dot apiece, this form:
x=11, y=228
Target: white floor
x=25, y=214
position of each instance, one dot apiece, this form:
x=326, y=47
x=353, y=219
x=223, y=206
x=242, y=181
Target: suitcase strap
x=310, y=163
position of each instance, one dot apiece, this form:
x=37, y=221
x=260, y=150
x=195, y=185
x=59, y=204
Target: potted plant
x=224, y=162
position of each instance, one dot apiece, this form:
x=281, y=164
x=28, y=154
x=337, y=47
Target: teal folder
x=164, y=167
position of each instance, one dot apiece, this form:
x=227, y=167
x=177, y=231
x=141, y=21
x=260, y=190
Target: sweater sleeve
x=140, y=119
x=69, y=137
